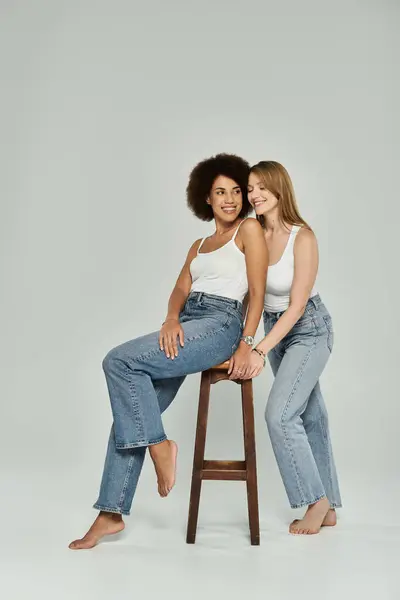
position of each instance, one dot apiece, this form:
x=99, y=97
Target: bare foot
x=312, y=521
x=164, y=459
x=105, y=524
x=330, y=519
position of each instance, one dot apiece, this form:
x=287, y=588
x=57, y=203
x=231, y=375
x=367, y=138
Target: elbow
x=299, y=308
x=256, y=294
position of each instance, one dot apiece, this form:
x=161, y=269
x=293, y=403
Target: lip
x=258, y=203
x=228, y=209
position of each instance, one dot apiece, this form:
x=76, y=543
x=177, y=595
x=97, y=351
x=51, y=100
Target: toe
x=76, y=545
x=293, y=526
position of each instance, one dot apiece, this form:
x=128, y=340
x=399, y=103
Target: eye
x=239, y=191
x=262, y=187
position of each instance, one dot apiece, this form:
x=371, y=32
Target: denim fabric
x=142, y=382
x=296, y=415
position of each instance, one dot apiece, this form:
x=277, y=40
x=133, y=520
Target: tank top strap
x=292, y=237
x=290, y=243
x=200, y=245
x=235, y=234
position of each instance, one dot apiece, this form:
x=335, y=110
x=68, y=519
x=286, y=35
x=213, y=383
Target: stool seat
x=221, y=367
x=224, y=470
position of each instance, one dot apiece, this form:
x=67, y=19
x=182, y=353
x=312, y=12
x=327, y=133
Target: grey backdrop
x=106, y=106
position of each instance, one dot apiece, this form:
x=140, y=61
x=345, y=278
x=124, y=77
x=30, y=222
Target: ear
x=208, y=200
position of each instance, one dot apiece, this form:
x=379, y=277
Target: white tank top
x=280, y=278
x=221, y=272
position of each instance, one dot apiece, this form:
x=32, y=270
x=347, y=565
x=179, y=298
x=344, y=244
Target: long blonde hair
x=277, y=180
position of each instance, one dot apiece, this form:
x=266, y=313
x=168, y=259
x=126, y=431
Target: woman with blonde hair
x=298, y=342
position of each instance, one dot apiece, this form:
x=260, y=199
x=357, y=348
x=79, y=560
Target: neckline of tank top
x=295, y=229
x=224, y=246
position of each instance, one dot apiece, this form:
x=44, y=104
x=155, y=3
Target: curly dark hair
x=203, y=176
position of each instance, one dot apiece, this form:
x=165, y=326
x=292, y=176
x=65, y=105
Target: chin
x=260, y=212
x=229, y=218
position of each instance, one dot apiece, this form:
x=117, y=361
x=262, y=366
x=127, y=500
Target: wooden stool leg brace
x=235, y=470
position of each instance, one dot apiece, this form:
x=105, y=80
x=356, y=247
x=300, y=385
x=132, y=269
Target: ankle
x=110, y=516
x=322, y=502
x=159, y=448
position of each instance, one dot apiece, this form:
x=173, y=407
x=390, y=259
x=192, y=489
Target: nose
x=252, y=196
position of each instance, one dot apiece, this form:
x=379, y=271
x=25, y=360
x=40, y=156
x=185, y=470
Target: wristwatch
x=247, y=339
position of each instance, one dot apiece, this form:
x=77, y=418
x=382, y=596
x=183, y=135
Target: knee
x=273, y=417
x=318, y=416
x=110, y=361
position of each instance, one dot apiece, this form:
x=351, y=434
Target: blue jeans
x=296, y=414
x=142, y=382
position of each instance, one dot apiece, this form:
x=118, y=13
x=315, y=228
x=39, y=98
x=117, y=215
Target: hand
x=170, y=331
x=255, y=365
x=239, y=362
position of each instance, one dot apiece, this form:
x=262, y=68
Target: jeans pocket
x=329, y=327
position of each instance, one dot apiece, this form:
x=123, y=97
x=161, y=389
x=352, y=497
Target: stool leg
x=198, y=459
x=250, y=458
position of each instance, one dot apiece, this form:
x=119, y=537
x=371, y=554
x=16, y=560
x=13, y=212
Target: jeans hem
x=307, y=503
x=118, y=511
x=140, y=444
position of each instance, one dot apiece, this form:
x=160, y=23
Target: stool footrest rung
x=226, y=470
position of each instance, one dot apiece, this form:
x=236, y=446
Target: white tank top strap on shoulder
x=236, y=232
x=221, y=272
x=280, y=277
x=200, y=245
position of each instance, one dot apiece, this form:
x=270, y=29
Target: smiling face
x=262, y=200
x=225, y=199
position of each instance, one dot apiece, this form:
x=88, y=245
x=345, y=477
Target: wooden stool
x=234, y=470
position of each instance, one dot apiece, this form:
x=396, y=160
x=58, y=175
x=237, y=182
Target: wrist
x=260, y=353
x=243, y=345
x=263, y=348
x=170, y=319
x=247, y=339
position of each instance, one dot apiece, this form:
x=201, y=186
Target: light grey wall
x=106, y=106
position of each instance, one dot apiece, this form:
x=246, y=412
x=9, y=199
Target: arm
x=305, y=272
x=256, y=255
x=182, y=287
x=171, y=328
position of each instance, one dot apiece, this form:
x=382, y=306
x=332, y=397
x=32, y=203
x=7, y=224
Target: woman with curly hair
x=298, y=342
x=203, y=327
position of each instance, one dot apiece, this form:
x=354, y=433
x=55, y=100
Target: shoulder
x=305, y=236
x=305, y=241
x=196, y=244
x=193, y=248
x=250, y=227
x=250, y=224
